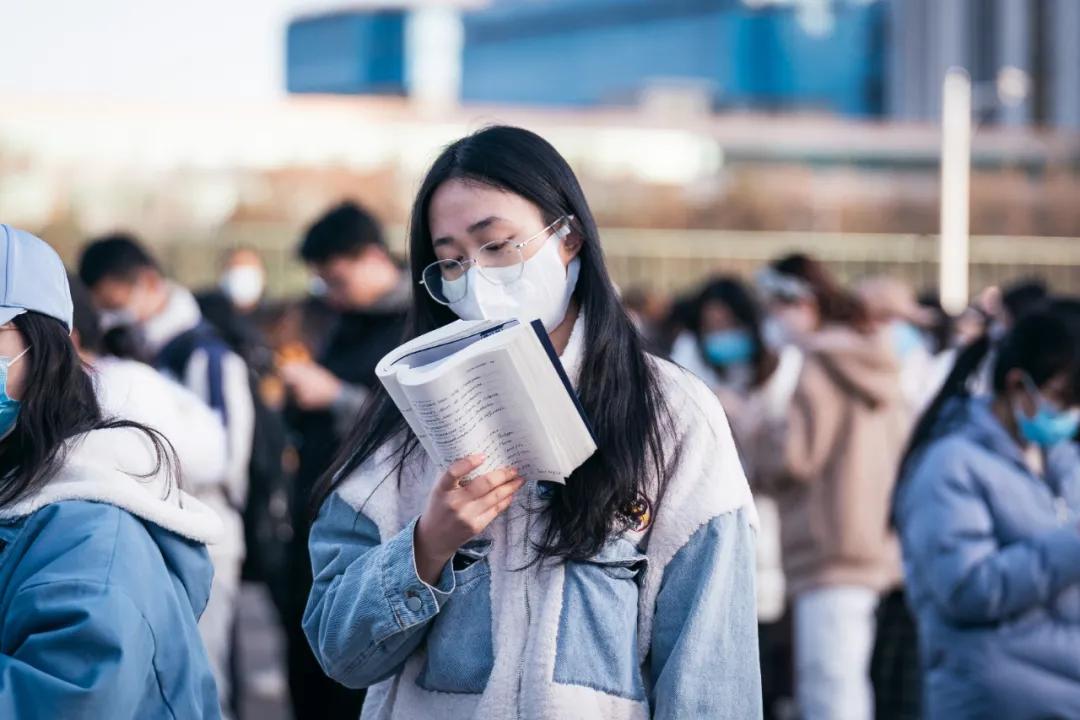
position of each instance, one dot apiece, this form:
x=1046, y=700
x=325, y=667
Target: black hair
x=941, y=331
x=619, y=389
x=344, y=230
x=58, y=403
x=1023, y=297
x=733, y=294
x=86, y=320
x=119, y=255
x=835, y=304
x=1043, y=343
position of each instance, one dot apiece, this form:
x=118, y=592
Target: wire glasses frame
x=500, y=262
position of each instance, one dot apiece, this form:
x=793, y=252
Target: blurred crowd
x=913, y=471
x=915, y=476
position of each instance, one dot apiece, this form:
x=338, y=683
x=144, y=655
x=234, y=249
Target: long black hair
x=58, y=403
x=733, y=294
x=619, y=389
x=1045, y=343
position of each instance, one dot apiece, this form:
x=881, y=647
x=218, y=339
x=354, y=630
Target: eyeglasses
x=500, y=262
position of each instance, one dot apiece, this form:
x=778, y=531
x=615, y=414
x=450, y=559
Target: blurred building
x=701, y=54
x=746, y=55
x=1023, y=57
x=856, y=58
x=380, y=47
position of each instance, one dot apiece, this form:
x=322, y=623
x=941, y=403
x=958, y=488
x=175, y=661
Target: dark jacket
x=357, y=343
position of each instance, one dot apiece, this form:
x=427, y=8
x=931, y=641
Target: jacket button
x=414, y=603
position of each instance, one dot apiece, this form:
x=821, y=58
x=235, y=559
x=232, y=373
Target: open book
x=491, y=387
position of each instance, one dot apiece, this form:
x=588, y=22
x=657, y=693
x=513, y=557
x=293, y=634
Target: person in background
x=232, y=307
x=755, y=384
x=1000, y=309
x=835, y=465
x=237, y=311
x=344, y=249
x=132, y=390
x=129, y=288
x=988, y=511
x=649, y=309
x=940, y=332
x=1018, y=299
x=893, y=308
x=103, y=569
x=243, y=279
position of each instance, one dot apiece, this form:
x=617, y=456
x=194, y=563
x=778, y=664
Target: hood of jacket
x=864, y=365
x=120, y=467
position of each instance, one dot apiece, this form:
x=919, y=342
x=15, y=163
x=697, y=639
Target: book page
x=438, y=352
x=482, y=406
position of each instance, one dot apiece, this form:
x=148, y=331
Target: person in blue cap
x=103, y=569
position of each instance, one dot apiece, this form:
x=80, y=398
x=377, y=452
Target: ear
x=571, y=240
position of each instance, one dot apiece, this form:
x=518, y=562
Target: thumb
x=460, y=469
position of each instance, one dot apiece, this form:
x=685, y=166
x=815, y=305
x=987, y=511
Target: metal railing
x=675, y=260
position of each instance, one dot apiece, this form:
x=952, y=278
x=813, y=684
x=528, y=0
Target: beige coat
x=833, y=464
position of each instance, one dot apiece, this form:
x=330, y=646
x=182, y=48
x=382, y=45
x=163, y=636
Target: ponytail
x=956, y=386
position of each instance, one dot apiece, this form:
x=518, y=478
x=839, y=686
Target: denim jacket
x=660, y=623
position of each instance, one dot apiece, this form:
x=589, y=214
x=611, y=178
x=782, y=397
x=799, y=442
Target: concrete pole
x=955, y=190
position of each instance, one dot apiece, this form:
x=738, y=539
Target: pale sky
x=146, y=49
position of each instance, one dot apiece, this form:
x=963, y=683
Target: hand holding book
x=458, y=510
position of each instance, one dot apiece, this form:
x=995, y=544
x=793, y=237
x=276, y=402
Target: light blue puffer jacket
x=992, y=558
x=103, y=576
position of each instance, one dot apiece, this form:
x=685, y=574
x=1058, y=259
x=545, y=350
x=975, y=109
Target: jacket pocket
x=597, y=641
x=459, y=650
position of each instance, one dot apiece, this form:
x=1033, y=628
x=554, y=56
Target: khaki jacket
x=834, y=460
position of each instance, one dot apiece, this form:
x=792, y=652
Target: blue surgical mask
x=9, y=407
x=1049, y=425
x=906, y=338
x=728, y=347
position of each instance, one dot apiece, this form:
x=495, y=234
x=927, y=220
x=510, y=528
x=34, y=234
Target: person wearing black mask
x=346, y=251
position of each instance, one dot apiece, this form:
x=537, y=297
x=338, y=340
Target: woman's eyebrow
x=475, y=227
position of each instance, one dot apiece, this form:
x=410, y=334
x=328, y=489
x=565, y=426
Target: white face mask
x=243, y=284
x=773, y=334
x=542, y=292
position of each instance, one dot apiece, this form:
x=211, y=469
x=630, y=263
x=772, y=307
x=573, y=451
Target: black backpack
x=266, y=516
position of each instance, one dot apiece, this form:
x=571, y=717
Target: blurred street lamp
x=955, y=196
x=1010, y=89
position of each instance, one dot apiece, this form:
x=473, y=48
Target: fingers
x=506, y=491
x=487, y=482
x=459, y=470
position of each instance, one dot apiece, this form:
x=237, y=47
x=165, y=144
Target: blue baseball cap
x=32, y=277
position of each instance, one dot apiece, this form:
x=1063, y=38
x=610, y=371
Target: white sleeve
x=197, y=435
x=239, y=420
x=241, y=427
